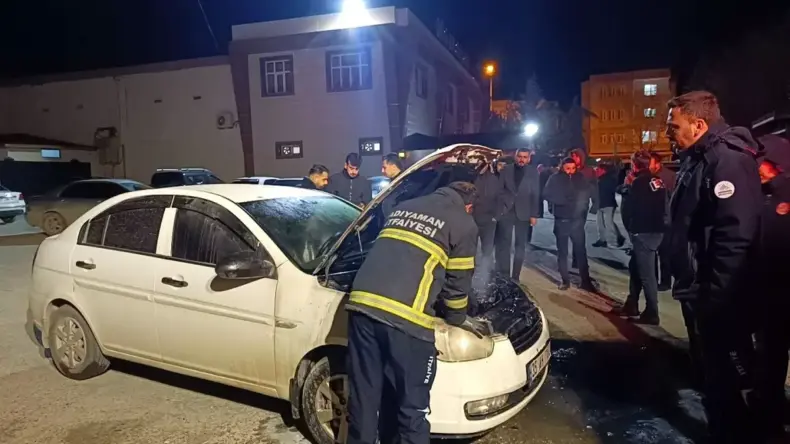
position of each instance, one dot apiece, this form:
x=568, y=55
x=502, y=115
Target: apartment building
x=291, y=93
x=627, y=112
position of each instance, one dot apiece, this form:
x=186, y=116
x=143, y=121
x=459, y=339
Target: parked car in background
x=12, y=204
x=287, y=182
x=175, y=177
x=56, y=210
x=246, y=286
x=256, y=180
x=378, y=183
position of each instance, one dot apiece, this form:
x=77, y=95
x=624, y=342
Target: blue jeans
x=642, y=270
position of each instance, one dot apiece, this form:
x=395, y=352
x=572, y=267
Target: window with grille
x=348, y=70
x=277, y=78
x=651, y=89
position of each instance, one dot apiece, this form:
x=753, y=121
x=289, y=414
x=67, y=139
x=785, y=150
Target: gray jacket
x=357, y=190
x=526, y=199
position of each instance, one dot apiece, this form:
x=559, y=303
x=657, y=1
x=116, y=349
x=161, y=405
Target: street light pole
x=491, y=94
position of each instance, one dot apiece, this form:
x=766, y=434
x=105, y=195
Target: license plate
x=538, y=364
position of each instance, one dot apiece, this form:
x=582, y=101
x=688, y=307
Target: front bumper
x=503, y=373
x=12, y=211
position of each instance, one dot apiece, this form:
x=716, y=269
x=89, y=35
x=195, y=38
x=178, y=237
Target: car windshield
x=303, y=227
x=135, y=186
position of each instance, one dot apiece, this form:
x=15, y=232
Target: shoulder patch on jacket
x=656, y=184
x=724, y=189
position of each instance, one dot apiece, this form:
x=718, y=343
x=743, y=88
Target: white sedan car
x=12, y=204
x=246, y=286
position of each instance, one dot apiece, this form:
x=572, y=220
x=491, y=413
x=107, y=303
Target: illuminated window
x=604, y=138
x=651, y=89
x=348, y=70
x=650, y=112
x=621, y=138
x=649, y=136
x=277, y=76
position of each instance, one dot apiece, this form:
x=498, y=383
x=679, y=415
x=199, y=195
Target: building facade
x=290, y=94
x=627, y=112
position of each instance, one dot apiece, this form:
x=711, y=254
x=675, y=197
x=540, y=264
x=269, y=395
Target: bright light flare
x=354, y=14
x=490, y=69
x=531, y=129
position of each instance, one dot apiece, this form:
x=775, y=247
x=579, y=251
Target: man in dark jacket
x=771, y=257
x=607, y=203
x=348, y=184
x=569, y=193
x=423, y=256
x=715, y=211
x=645, y=218
x=317, y=178
x=667, y=177
x=488, y=208
x=521, y=201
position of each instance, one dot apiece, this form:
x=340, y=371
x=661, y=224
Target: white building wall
x=329, y=124
x=421, y=112
x=170, y=121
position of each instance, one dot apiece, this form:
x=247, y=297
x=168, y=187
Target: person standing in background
x=521, y=201
x=667, y=177
x=607, y=228
x=569, y=194
x=488, y=208
x=645, y=217
x=391, y=166
x=579, y=157
x=348, y=184
x=317, y=178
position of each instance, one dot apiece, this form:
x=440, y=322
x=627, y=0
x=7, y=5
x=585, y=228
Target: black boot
x=628, y=309
x=648, y=318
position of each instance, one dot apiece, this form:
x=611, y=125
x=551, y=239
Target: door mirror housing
x=246, y=265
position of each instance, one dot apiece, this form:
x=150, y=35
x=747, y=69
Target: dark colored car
x=175, y=177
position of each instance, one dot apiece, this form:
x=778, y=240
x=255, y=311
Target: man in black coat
x=317, y=178
x=569, y=193
x=667, y=177
x=607, y=203
x=645, y=218
x=488, y=208
x=769, y=273
x=715, y=211
x=521, y=203
x=348, y=183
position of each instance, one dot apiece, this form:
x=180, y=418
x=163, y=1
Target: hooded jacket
x=714, y=215
x=356, y=190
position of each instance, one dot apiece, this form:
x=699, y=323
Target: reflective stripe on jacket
x=424, y=253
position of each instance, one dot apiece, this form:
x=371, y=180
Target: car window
x=214, y=179
x=167, y=179
x=303, y=227
x=92, y=190
x=247, y=181
x=206, y=233
x=135, y=186
x=131, y=225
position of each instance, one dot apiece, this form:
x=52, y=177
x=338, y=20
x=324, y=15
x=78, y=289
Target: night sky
x=562, y=41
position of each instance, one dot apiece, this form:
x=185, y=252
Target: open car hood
x=461, y=154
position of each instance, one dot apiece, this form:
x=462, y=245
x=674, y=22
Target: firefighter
x=423, y=256
x=715, y=211
x=771, y=259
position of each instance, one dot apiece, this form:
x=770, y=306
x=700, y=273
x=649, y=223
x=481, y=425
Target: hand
x=533, y=221
x=478, y=327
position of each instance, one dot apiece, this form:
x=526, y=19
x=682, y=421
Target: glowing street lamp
x=490, y=71
x=530, y=129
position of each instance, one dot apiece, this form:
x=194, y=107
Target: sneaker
x=647, y=319
x=626, y=310
x=599, y=244
x=564, y=286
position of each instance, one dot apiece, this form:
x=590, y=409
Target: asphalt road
x=610, y=381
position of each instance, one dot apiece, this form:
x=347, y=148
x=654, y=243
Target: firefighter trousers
x=390, y=376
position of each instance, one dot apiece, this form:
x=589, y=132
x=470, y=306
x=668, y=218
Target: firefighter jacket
x=715, y=212
x=423, y=256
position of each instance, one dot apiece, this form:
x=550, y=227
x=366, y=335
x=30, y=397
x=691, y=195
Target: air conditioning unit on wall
x=226, y=120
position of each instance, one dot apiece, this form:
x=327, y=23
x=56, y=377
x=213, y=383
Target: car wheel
x=324, y=401
x=53, y=223
x=9, y=219
x=73, y=347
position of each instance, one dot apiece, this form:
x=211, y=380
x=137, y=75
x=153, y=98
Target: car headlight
x=454, y=344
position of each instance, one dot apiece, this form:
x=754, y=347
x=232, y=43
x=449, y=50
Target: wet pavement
x=610, y=381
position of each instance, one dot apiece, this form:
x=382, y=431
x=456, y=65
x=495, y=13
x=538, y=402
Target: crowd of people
x=716, y=233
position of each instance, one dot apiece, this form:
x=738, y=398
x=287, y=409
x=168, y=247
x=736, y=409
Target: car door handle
x=174, y=282
x=85, y=265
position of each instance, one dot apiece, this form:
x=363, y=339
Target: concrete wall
x=329, y=124
x=421, y=112
x=164, y=118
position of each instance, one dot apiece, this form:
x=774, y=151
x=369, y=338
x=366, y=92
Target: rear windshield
x=167, y=179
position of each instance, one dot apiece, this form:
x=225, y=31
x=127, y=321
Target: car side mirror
x=245, y=265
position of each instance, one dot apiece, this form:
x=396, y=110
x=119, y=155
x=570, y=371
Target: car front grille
x=525, y=334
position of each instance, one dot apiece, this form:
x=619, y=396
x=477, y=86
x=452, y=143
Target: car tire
x=53, y=223
x=325, y=375
x=73, y=347
x=9, y=219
